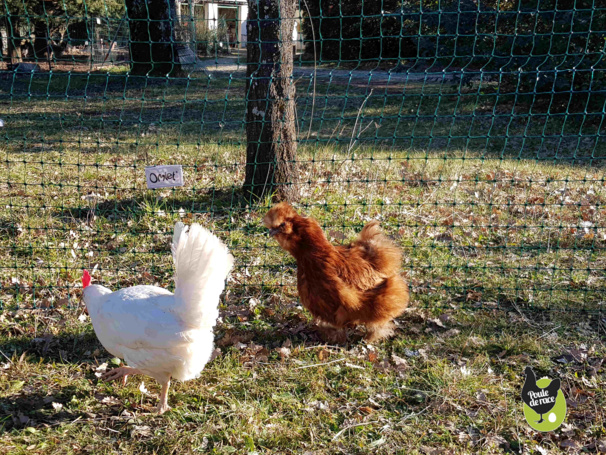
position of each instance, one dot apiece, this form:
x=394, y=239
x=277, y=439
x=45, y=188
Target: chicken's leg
x=163, y=404
x=118, y=373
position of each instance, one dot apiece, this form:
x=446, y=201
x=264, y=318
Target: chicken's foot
x=122, y=372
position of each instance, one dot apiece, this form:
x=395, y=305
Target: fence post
x=270, y=105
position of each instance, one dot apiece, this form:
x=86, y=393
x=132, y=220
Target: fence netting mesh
x=473, y=130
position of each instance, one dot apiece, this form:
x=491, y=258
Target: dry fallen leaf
x=284, y=352
x=216, y=353
x=262, y=355
x=254, y=348
x=140, y=430
x=100, y=370
x=107, y=400
x=147, y=276
x=451, y=333
x=430, y=450
x=323, y=354
x=317, y=405
x=496, y=440
x=436, y=322
x=541, y=450
x=337, y=235
x=568, y=444
x=399, y=362
x=143, y=389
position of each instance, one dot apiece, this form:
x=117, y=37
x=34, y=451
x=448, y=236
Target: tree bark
x=3, y=24
x=40, y=39
x=152, y=37
x=14, y=40
x=270, y=109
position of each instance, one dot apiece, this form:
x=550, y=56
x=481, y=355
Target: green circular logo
x=553, y=417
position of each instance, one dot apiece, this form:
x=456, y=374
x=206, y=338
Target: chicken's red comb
x=85, y=279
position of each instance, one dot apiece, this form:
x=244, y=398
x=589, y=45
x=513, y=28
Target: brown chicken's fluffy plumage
x=343, y=285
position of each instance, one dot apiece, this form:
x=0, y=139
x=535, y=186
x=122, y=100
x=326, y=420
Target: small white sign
x=164, y=176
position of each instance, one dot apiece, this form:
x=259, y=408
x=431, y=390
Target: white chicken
x=158, y=333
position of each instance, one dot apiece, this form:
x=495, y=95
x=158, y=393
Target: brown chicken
x=343, y=285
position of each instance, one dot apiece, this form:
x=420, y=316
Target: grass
x=499, y=209
x=450, y=381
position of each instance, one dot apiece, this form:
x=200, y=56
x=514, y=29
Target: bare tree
x=270, y=109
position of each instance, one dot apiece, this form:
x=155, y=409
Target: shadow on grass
x=36, y=410
x=67, y=347
x=27, y=406
x=214, y=201
x=215, y=107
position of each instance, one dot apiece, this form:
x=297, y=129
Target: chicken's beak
x=273, y=232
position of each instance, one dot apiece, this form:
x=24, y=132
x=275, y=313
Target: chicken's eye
x=282, y=225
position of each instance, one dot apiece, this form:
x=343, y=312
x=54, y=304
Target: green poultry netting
x=472, y=130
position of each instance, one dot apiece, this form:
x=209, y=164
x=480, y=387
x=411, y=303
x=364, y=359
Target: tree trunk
x=40, y=40
x=270, y=109
x=3, y=24
x=152, y=37
x=14, y=40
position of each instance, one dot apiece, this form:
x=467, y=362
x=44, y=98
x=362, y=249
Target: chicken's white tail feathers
x=180, y=228
x=202, y=263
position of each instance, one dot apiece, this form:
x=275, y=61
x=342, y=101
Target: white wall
x=243, y=32
x=212, y=14
x=296, y=36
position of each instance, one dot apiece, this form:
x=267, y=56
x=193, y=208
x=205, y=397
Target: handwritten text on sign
x=164, y=176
